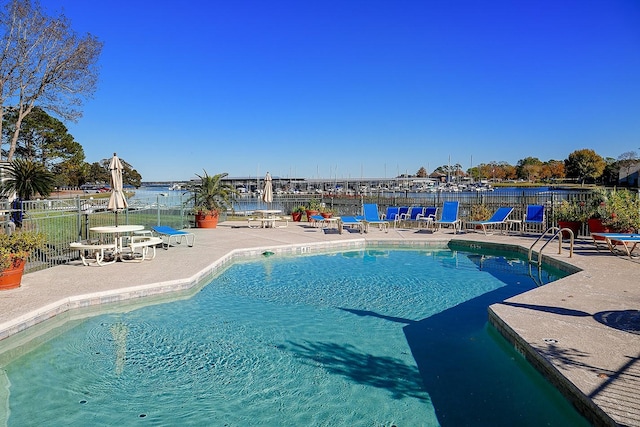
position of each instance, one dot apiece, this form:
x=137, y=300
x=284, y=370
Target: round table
x=117, y=230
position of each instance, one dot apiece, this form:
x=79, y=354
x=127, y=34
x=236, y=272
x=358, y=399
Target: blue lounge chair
x=402, y=213
x=449, y=216
x=428, y=218
x=169, y=234
x=412, y=215
x=350, y=221
x=534, y=215
x=499, y=217
x=392, y=213
x=371, y=216
x=618, y=239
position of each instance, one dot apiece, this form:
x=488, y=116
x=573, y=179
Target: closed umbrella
x=117, y=201
x=267, y=192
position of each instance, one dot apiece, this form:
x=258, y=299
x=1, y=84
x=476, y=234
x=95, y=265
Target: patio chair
x=499, y=217
x=321, y=221
x=628, y=241
x=371, y=216
x=392, y=213
x=449, y=216
x=412, y=215
x=534, y=215
x=350, y=221
x=169, y=234
x=427, y=218
x=402, y=212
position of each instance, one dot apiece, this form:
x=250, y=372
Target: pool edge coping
x=147, y=291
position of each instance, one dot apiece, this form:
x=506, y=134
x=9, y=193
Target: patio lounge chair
x=371, y=216
x=449, y=216
x=629, y=241
x=534, y=215
x=428, y=218
x=498, y=218
x=413, y=214
x=169, y=234
x=392, y=213
x=350, y=221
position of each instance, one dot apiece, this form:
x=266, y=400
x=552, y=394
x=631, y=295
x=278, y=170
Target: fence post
x=79, y=218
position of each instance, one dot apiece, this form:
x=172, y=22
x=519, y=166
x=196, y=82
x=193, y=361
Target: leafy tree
x=99, y=172
x=26, y=179
x=529, y=168
x=553, y=169
x=611, y=172
x=43, y=61
x=96, y=173
x=584, y=164
x=71, y=172
x=43, y=138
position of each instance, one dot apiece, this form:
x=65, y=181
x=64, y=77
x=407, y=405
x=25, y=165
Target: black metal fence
x=66, y=220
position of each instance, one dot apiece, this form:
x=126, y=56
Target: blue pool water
x=364, y=338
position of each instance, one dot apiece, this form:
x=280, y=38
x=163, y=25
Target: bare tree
x=43, y=62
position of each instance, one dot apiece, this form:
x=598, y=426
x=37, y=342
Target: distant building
x=628, y=175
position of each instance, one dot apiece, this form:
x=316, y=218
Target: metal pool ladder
x=554, y=232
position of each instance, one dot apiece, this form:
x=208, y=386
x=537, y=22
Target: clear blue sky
x=356, y=88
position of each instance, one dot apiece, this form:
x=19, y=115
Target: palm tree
x=212, y=195
x=27, y=179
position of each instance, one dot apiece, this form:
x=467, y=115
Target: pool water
x=363, y=338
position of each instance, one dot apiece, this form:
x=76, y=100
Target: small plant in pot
x=297, y=212
x=571, y=215
x=210, y=197
x=327, y=212
x=313, y=208
x=14, y=251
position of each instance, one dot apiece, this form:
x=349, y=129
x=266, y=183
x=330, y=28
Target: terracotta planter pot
x=571, y=225
x=596, y=226
x=206, y=221
x=326, y=214
x=310, y=213
x=296, y=216
x=12, y=277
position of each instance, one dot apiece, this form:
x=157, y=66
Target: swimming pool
x=369, y=337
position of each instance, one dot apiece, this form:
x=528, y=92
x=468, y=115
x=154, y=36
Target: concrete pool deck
x=582, y=331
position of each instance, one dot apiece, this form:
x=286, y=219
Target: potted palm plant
x=313, y=208
x=210, y=197
x=14, y=251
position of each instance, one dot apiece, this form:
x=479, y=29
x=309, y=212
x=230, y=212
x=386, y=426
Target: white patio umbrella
x=267, y=192
x=117, y=200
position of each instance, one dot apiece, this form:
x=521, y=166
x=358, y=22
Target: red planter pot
x=296, y=216
x=206, y=221
x=310, y=213
x=571, y=225
x=596, y=226
x=12, y=277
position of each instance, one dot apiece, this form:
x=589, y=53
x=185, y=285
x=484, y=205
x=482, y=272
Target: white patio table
x=269, y=217
x=117, y=232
